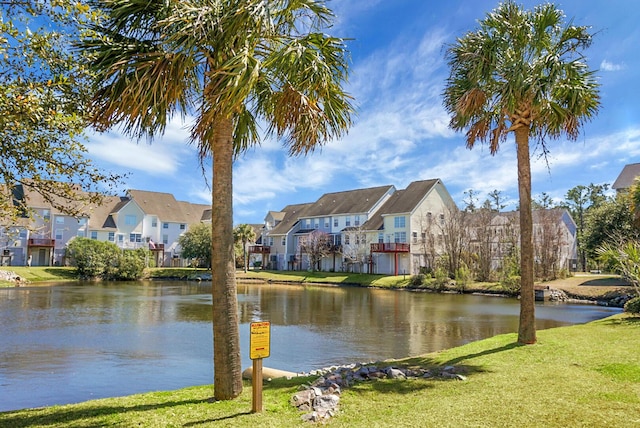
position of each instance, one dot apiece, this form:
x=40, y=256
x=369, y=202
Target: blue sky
x=401, y=133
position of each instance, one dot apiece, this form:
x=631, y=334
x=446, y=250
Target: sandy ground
x=592, y=286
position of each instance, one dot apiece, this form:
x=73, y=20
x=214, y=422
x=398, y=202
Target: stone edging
x=319, y=400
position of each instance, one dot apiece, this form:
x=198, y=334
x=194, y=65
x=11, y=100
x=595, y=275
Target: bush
x=104, y=260
x=633, y=306
x=440, y=279
x=463, y=275
x=417, y=280
x=511, y=284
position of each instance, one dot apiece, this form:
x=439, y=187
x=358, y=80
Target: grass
x=580, y=376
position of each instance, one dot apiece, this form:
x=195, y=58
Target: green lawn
x=579, y=376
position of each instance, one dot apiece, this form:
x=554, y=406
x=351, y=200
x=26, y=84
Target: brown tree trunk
x=527, y=327
x=227, y=370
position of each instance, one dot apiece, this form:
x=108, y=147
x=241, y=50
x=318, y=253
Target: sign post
x=260, y=343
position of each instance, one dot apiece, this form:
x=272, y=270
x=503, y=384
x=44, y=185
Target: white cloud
x=162, y=156
x=609, y=66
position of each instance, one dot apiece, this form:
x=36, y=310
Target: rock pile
x=320, y=399
x=6, y=275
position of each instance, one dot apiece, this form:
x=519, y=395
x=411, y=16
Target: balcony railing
x=156, y=247
x=259, y=249
x=41, y=242
x=390, y=247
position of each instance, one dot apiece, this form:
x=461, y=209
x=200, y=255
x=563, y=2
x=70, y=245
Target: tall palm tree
x=245, y=234
x=232, y=64
x=522, y=72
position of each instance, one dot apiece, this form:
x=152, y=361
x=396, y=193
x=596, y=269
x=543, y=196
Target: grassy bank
x=583, y=375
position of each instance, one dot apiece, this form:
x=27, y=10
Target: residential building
x=140, y=219
x=626, y=177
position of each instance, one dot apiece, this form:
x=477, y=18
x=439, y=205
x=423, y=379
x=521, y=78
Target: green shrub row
x=105, y=260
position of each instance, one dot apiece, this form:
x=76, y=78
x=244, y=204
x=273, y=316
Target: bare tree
x=355, y=247
x=453, y=225
x=428, y=240
x=316, y=245
x=548, y=243
x=482, y=238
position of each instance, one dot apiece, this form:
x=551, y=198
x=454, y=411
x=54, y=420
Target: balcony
x=390, y=247
x=156, y=247
x=259, y=249
x=41, y=242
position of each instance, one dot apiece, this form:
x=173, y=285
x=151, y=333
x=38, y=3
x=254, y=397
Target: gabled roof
x=167, y=208
x=276, y=215
x=626, y=177
x=100, y=215
x=292, y=214
x=348, y=202
x=401, y=202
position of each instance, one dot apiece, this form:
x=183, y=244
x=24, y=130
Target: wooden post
x=260, y=344
x=256, y=384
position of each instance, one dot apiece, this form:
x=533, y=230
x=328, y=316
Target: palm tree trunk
x=527, y=327
x=226, y=339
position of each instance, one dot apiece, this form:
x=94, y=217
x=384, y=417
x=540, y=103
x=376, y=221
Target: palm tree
x=521, y=72
x=232, y=64
x=245, y=234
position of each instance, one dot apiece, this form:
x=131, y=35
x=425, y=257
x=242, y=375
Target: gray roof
x=347, y=202
x=292, y=214
x=167, y=208
x=401, y=202
x=626, y=177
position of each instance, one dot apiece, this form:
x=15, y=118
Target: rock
x=396, y=374
x=303, y=397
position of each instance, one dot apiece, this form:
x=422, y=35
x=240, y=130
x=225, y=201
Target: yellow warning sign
x=260, y=340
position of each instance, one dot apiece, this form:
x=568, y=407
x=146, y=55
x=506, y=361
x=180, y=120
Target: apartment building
x=140, y=219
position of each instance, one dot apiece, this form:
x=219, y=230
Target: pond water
x=70, y=343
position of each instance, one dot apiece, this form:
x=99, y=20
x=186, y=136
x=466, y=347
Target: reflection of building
x=141, y=219
x=369, y=230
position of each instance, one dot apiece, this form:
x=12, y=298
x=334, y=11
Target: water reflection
x=102, y=340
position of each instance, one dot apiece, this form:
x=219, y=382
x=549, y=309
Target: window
x=271, y=241
x=112, y=236
x=399, y=222
x=415, y=237
x=183, y=226
x=441, y=218
x=356, y=221
x=400, y=237
x=59, y=234
x=135, y=237
x=94, y=234
x=316, y=223
x=120, y=238
x=335, y=222
x=59, y=220
x=346, y=239
x=308, y=223
x=380, y=237
x=326, y=223
x=347, y=221
x=46, y=214
x=165, y=225
x=130, y=220
x=284, y=240
x=165, y=239
x=154, y=222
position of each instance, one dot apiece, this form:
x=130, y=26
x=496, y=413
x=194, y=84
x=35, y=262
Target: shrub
x=440, y=279
x=104, y=260
x=463, y=275
x=417, y=280
x=633, y=306
x=511, y=284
